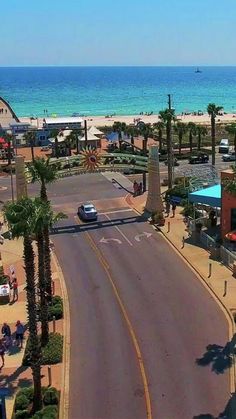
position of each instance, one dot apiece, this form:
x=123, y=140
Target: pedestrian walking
x=15, y=290
x=135, y=188
x=140, y=188
x=173, y=209
x=6, y=332
x=19, y=334
x=167, y=207
x=2, y=353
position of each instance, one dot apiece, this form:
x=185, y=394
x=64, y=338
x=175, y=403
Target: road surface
x=139, y=316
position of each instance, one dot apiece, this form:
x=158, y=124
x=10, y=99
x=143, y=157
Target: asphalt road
x=139, y=316
x=137, y=313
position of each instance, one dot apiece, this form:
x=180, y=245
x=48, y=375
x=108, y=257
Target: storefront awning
x=209, y=196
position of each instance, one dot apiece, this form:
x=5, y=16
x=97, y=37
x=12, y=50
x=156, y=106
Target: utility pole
x=169, y=145
x=85, y=133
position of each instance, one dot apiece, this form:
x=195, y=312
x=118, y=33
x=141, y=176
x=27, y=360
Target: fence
x=192, y=223
x=207, y=241
x=227, y=257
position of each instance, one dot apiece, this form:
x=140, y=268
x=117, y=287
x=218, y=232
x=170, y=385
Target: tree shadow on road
x=228, y=413
x=220, y=357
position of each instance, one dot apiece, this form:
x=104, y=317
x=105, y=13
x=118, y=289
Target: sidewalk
x=196, y=256
x=13, y=375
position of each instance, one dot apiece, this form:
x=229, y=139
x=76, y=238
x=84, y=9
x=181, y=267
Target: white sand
x=129, y=119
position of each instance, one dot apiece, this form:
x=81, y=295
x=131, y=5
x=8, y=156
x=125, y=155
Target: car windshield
x=89, y=208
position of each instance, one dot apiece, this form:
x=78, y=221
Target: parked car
x=87, y=212
x=229, y=157
x=198, y=159
x=224, y=146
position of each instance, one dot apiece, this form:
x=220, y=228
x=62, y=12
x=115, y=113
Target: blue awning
x=209, y=196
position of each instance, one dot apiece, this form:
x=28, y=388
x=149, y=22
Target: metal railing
x=207, y=241
x=192, y=223
x=227, y=257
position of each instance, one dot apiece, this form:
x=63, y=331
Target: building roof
x=90, y=137
x=62, y=136
x=64, y=120
x=8, y=116
x=209, y=196
x=95, y=131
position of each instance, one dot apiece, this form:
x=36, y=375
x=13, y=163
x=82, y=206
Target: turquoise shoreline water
x=119, y=90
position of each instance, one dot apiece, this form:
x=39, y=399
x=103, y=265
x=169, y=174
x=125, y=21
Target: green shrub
x=55, y=311
x=56, y=308
x=48, y=412
x=4, y=279
x=52, y=352
x=22, y=414
x=51, y=396
x=22, y=402
x=179, y=191
x=27, y=392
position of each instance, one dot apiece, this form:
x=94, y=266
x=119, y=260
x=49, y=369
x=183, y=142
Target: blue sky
x=120, y=32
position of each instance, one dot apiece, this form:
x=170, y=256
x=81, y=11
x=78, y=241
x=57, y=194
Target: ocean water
x=119, y=90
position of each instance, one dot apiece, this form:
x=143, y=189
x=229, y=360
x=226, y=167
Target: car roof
x=88, y=205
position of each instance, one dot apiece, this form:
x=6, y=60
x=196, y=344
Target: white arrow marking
x=144, y=234
x=103, y=240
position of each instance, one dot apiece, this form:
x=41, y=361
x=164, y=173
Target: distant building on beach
x=62, y=123
x=7, y=115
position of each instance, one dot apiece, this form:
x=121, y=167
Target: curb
x=224, y=308
x=64, y=399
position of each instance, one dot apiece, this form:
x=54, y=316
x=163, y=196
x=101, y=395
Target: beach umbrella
x=5, y=145
x=113, y=136
x=2, y=140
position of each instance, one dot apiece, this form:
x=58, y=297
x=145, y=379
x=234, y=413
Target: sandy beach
x=100, y=121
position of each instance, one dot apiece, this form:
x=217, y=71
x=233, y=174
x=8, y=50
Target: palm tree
x=43, y=218
x=132, y=132
x=231, y=129
x=30, y=138
x=44, y=173
x=192, y=131
x=146, y=131
x=167, y=117
x=119, y=127
x=201, y=131
x=20, y=220
x=213, y=110
x=180, y=128
x=74, y=137
x=54, y=134
x=159, y=126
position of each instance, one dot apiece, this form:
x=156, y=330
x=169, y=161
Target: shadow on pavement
x=228, y=413
x=220, y=357
x=12, y=382
x=75, y=228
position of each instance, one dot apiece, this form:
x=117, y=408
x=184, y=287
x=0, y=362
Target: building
x=228, y=205
x=7, y=115
x=62, y=123
x=92, y=141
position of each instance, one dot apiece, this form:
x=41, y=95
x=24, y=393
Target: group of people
x=6, y=341
x=138, y=188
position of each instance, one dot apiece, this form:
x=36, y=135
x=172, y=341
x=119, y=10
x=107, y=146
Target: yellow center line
x=106, y=268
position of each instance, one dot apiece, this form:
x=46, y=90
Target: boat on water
x=198, y=70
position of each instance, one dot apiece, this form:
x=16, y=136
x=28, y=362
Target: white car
x=229, y=157
x=87, y=212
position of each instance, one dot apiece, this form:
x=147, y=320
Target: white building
x=67, y=122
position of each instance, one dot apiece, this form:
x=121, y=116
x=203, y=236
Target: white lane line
x=115, y=211
x=117, y=228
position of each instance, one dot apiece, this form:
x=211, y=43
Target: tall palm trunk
x=191, y=141
x=213, y=139
x=77, y=144
x=169, y=153
x=47, y=250
x=56, y=148
x=9, y=153
x=180, y=142
x=32, y=149
x=145, y=141
x=42, y=290
x=34, y=344
x=160, y=139
x=132, y=143
x=199, y=143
